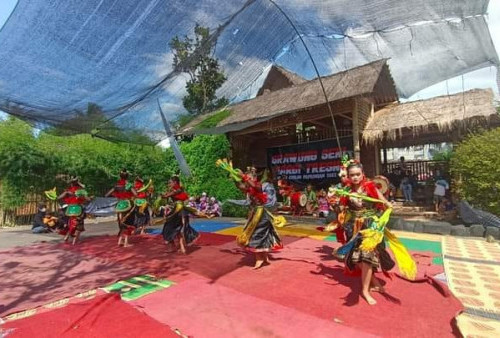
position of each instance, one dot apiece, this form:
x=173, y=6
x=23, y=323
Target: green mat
x=137, y=287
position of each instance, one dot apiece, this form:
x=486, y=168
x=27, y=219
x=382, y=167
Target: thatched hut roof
x=443, y=113
x=278, y=78
x=370, y=80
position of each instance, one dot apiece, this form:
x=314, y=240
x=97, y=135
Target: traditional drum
x=299, y=200
x=382, y=184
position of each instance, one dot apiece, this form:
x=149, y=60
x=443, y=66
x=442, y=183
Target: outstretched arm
x=64, y=194
x=110, y=192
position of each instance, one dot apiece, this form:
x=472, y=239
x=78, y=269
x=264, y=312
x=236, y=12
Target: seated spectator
x=323, y=205
x=192, y=203
x=203, y=205
x=214, y=208
x=39, y=226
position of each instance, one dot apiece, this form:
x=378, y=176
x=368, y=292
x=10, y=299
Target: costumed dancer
x=259, y=235
x=367, y=213
x=75, y=196
x=124, y=192
x=177, y=227
x=337, y=211
x=141, y=204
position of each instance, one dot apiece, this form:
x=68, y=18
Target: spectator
x=324, y=207
x=192, y=203
x=441, y=186
x=402, y=165
x=407, y=187
x=38, y=226
x=214, y=208
x=203, y=206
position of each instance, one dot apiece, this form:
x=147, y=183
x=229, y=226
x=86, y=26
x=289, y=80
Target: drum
x=299, y=199
x=382, y=184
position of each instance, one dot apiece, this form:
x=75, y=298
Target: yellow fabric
x=371, y=238
x=244, y=238
x=406, y=264
x=374, y=235
x=279, y=221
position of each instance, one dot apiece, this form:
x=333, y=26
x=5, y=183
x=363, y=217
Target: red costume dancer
x=74, y=197
x=141, y=205
x=259, y=234
x=124, y=192
x=367, y=213
x=177, y=228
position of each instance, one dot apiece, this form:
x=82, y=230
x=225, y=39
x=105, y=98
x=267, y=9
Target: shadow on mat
x=336, y=273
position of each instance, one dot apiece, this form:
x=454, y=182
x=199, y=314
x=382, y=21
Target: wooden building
x=290, y=112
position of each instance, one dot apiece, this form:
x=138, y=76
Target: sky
x=483, y=78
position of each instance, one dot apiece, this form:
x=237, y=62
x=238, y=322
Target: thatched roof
x=443, y=112
x=278, y=78
x=370, y=80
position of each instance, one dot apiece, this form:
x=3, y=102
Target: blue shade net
x=99, y=66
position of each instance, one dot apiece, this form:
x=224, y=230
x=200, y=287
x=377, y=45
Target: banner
x=316, y=163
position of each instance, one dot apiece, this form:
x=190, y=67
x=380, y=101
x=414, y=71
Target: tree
x=192, y=56
x=475, y=166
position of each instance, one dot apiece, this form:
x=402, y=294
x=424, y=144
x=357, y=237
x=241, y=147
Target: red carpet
x=43, y=273
x=303, y=281
x=209, y=310
x=103, y=316
x=303, y=277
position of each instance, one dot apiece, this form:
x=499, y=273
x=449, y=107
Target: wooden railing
x=319, y=135
x=422, y=170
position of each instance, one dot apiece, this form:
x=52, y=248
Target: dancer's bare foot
x=369, y=299
x=266, y=259
x=258, y=264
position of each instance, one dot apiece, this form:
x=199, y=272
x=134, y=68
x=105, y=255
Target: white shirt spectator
x=440, y=187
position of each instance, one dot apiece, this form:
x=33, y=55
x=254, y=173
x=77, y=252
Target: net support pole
x=355, y=130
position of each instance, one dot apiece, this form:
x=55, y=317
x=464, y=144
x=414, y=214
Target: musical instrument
x=382, y=184
x=298, y=199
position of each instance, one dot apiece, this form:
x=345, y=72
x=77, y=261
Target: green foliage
x=201, y=154
x=475, y=166
x=213, y=120
x=33, y=165
x=444, y=155
x=193, y=56
x=233, y=210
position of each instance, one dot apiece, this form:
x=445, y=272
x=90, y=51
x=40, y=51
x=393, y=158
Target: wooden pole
x=355, y=131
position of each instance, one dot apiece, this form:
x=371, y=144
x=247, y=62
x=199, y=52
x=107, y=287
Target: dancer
x=177, y=228
x=125, y=216
x=364, y=223
x=259, y=235
x=75, y=196
x=141, y=205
